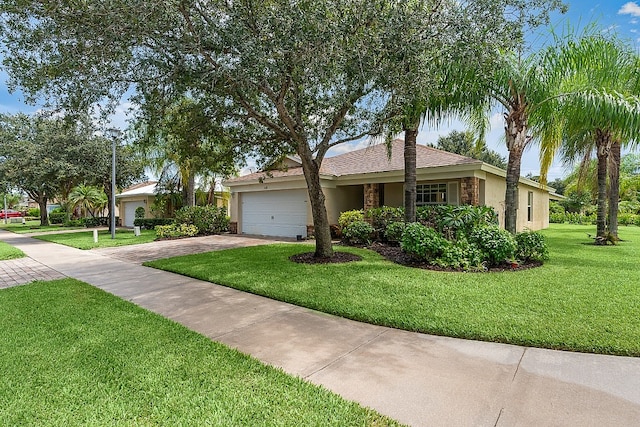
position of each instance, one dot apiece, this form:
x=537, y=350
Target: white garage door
x=275, y=213
x=130, y=212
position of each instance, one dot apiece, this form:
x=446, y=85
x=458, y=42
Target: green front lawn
x=84, y=240
x=71, y=354
x=9, y=252
x=586, y=298
x=33, y=227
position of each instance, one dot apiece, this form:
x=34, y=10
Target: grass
x=9, y=252
x=586, y=298
x=33, y=227
x=71, y=354
x=84, y=240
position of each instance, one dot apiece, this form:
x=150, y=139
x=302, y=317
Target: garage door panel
x=275, y=213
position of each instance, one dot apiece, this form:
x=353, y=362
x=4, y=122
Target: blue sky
x=621, y=16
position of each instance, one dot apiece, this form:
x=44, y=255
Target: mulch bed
x=338, y=257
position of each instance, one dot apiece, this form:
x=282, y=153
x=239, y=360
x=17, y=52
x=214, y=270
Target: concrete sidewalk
x=418, y=379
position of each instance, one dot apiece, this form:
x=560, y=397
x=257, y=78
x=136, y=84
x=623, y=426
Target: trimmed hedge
x=152, y=223
x=208, y=219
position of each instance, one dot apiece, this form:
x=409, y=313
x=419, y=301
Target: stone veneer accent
x=233, y=227
x=470, y=191
x=310, y=230
x=371, y=196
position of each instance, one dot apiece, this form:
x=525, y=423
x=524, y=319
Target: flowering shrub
x=175, y=231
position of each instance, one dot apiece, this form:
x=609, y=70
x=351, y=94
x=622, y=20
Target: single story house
x=144, y=195
x=139, y=195
x=276, y=203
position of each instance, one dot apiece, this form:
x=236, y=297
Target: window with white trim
x=431, y=194
x=530, y=206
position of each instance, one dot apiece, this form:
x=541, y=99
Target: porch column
x=470, y=191
x=371, y=196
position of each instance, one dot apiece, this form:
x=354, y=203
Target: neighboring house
x=276, y=203
x=139, y=195
x=143, y=195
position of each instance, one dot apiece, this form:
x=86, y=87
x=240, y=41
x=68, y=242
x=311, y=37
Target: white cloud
x=630, y=8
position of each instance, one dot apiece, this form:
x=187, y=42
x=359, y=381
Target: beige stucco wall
x=394, y=194
x=494, y=195
x=341, y=199
x=147, y=211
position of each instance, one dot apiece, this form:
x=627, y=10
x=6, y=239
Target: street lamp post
x=114, y=134
x=5, y=208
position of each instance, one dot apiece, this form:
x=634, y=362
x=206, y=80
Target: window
x=431, y=194
x=530, y=206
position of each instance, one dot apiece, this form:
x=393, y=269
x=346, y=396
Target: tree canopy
x=464, y=143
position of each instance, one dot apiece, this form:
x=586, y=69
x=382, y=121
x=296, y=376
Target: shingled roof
x=371, y=159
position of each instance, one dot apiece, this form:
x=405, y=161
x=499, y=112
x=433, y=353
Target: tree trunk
x=603, y=146
x=322, y=231
x=44, y=215
x=517, y=140
x=614, y=188
x=190, y=199
x=410, y=140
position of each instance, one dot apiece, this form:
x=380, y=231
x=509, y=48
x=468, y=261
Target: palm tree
x=88, y=198
x=600, y=109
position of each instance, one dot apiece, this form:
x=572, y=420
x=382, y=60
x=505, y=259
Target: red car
x=10, y=213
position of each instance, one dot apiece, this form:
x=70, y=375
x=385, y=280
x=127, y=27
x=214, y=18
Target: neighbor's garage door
x=275, y=213
x=130, y=212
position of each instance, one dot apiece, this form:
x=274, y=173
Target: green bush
x=152, y=223
x=456, y=221
x=139, y=213
x=531, y=246
x=460, y=254
x=556, y=208
x=357, y=233
x=393, y=232
x=80, y=222
x=557, y=218
x=92, y=222
x=57, y=217
x=34, y=212
x=626, y=218
x=636, y=220
x=176, y=230
x=381, y=217
x=208, y=219
x=629, y=206
x=497, y=245
x=423, y=242
x=349, y=217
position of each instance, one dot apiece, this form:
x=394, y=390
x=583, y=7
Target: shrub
x=626, y=218
x=557, y=218
x=140, y=212
x=381, y=217
x=496, y=244
x=556, y=208
x=208, y=219
x=456, y=221
x=75, y=222
x=57, y=217
x=152, y=223
x=176, y=230
x=636, y=220
x=629, y=206
x=423, y=242
x=349, y=217
x=393, y=232
x=357, y=233
x=33, y=212
x=531, y=246
x=460, y=254
x=92, y=222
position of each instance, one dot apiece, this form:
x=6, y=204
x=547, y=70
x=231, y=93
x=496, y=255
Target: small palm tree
x=88, y=198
